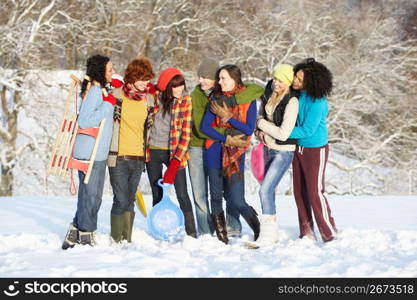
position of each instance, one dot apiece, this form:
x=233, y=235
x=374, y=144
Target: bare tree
x=25, y=22
x=373, y=115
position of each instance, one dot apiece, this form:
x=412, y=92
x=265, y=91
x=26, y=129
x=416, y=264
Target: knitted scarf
x=133, y=93
x=236, y=90
x=231, y=154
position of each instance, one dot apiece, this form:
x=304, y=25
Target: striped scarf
x=133, y=93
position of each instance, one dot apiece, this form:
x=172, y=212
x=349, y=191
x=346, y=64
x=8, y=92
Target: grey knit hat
x=208, y=68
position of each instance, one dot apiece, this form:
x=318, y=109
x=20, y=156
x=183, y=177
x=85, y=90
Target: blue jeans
x=124, y=179
x=90, y=197
x=233, y=225
x=276, y=164
x=234, y=191
x=216, y=190
x=199, y=183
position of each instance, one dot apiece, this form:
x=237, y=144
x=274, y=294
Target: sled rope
x=73, y=188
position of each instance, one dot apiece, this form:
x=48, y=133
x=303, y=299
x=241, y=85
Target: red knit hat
x=165, y=77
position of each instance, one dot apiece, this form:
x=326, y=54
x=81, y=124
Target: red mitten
x=171, y=172
x=116, y=83
x=151, y=89
x=110, y=98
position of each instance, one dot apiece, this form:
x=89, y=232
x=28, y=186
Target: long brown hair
x=167, y=96
x=234, y=73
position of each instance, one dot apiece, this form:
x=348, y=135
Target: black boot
x=253, y=222
x=220, y=226
x=190, y=224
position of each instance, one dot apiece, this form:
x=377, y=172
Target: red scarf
x=236, y=90
x=134, y=94
x=231, y=154
x=230, y=162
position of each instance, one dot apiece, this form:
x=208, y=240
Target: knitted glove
x=116, y=83
x=221, y=111
x=171, y=172
x=221, y=99
x=110, y=98
x=236, y=141
x=151, y=88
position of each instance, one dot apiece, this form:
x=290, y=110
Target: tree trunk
x=6, y=185
x=9, y=143
x=145, y=50
x=113, y=21
x=70, y=52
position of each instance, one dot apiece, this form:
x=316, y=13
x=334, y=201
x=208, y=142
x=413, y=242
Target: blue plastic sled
x=165, y=220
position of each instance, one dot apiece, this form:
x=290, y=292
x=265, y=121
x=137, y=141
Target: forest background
x=370, y=47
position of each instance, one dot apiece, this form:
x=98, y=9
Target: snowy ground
x=378, y=238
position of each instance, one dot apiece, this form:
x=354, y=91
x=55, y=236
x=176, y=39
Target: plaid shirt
x=180, y=131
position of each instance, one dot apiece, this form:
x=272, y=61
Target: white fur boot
x=269, y=232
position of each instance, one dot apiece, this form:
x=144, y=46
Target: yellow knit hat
x=285, y=73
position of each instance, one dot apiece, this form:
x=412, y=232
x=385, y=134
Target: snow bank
x=378, y=238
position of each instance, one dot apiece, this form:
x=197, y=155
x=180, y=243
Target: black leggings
x=154, y=169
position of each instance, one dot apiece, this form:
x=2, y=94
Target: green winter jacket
x=200, y=101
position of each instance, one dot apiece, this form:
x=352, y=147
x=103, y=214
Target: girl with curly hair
x=94, y=108
x=314, y=81
x=127, y=151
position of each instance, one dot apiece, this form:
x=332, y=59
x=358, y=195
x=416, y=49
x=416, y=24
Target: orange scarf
x=230, y=163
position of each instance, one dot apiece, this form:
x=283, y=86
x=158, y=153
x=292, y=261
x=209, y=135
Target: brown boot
x=220, y=226
x=87, y=238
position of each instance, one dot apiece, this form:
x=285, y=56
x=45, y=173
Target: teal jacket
x=311, y=127
x=93, y=110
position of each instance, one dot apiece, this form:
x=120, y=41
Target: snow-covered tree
x=369, y=46
x=24, y=25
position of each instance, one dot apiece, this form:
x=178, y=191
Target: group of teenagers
x=209, y=131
